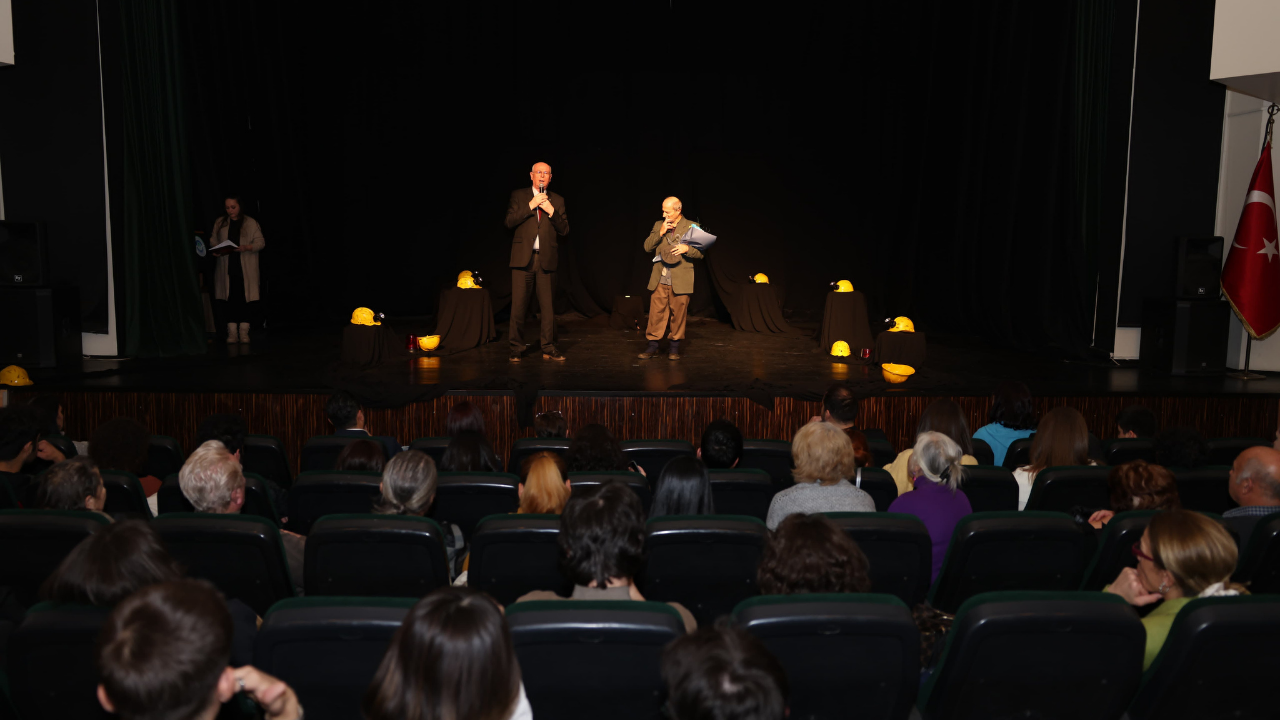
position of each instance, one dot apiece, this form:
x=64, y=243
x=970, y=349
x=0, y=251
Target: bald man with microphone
x=537, y=218
x=671, y=279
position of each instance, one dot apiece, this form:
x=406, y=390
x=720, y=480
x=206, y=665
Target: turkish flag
x=1251, y=277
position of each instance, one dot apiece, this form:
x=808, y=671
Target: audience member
x=1181, y=556
x=811, y=554
x=1255, y=486
x=594, y=449
x=1012, y=417
x=19, y=433
x=1136, y=421
x=823, y=456
x=1138, y=485
x=723, y=673
x=555, y=457
x=123, y=444
x=231, y=430
x=937, y=498
x=862, y=456
x=468, y=451
x=839, y=407
x=51, y=419
x=1062, y=438
x=452, y=657
x=73, y=484
x=943, y=416
x=464, y=417
x=347, y=417
x=550, y=424
x=408, y=487
x=721, y=446
x=602, y=547
x=683, y=488
x=1180, y=447
x=544, y=490
x=213, y=482
x=362, y=456
x=164, y=654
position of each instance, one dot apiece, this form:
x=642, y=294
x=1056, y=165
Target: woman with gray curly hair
x=936, y=473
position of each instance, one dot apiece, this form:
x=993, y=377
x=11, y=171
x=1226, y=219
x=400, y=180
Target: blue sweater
x=1000, y=438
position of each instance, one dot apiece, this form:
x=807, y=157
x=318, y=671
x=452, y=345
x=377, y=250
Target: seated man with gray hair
x=1255, y=485
x=213, y=482
x=937, y=499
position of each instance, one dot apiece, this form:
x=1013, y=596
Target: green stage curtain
x=163, y=313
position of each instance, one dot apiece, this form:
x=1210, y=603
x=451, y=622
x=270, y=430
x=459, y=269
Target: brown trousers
x=662, y=301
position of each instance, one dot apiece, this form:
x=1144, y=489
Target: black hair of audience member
x=228, y=429
x=110, y=565
x=362, y=455
x=602, y=535
x=723, y=673
x=946, y=416
x=342, y=409
x=18, y=426
x=120, y=444
x=1180, y=447
x=550, y=424
x=468, y=451
x=451, y=657
x=464, y=417
x=1137, y=419
x=1012, y=406
x=65, y=486
x=595, y=449
x=682, y=488
x=840, y=402
x=47, y=408
x=811, y=554
x=721, y=445
x=164, y=650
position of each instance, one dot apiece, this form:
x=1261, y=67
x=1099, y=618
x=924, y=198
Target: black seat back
x=1041, y=655
x=316, y=493
x=982, y=452
x=264, y=456
x=1259, y=565
x=53, y=662
x=328, y=649
x=1223, y=451
x=125, y=496
x=1058, y=489
x=898, y=549
x=706, y=563
x=771, y=456
x=592, y=659
x=516, y=554
x=877, y=483
x=241, y=554
x=321, y=452
x=990, y=488
x=1115, y=548
x=375, y=555
x=1019, y=453
x=849, y=655
x=164, y=456
x=256, y=500
x=463, y=498
x=881, y=449
x=583, y=482
x=741, y=492
x=1025, y=550
x=1206, y=488
x=652, y=455
x=524, y=447
x=35, y=543
x=433, y=446
x=1123, y=450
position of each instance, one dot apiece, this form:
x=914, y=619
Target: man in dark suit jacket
x=347, y=417
x=538, y=219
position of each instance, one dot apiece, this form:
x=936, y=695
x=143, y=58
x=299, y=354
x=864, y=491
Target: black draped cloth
x=845, y=318
x=368, y=346
x=900, y=348
x=756, y=309
x=465, y=320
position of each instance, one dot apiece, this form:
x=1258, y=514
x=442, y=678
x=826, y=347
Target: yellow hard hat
x=14, y=375
x=761, y=278
x=902, y=324
x=363, y=316
x=896, y=373
x=464, y=273
x=429, y=342
x=840, y=348
x=467, y=283
x=844, y=286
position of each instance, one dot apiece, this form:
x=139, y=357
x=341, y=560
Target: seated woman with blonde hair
x=544, y=490
x=824, y=461
x=941, y=416
x=1062, y=438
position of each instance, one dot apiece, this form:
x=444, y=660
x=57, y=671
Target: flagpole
x=1248, y=346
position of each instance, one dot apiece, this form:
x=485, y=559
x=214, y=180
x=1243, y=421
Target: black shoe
x=673, y=352
x=650, y=352
x=515, y=357
x=553, y=355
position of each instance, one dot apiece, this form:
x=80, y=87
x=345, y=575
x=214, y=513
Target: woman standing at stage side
x=236, y=277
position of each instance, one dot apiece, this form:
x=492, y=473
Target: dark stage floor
x=716, y=358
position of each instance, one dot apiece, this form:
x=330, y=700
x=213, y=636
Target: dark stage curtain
x=162, y=311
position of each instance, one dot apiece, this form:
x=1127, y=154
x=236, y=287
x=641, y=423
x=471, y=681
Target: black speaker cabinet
x=1199, y=268
x=24, y=255
x=40, y=327
x=1185, y=337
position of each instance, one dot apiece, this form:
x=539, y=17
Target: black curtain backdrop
x=954, y=160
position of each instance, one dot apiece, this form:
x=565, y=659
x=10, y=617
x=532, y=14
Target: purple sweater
x=939, y=509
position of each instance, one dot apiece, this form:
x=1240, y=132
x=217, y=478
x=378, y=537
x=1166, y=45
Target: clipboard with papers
x=694, y=237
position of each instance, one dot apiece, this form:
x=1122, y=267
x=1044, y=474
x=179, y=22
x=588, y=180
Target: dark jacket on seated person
x=389, y=444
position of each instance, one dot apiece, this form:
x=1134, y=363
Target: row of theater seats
x=1008, y=654
x=1222, y=451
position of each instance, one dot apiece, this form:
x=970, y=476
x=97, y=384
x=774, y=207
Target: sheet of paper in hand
x=698, y=238
x=224, y=244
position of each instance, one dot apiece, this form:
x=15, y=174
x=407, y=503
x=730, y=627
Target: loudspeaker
x=1199, y=268
x=24, y=254
x=1185, y=337
x=40, y=327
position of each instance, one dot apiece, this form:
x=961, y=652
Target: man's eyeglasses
x=1137, y=552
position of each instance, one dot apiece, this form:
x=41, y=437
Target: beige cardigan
x=250, y=235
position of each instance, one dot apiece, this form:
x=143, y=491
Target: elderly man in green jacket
x=671, y=280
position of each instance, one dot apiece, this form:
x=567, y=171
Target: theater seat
x=881, y=449
x=583, y=482
x=652, y=455
x=524, y=447
x=593, y=659
x=321, y=452
x=1123, y=450
x=125, y=496
x=1115, y=546
x=516, y=554
x=982, y=452
x=1218, y=662
x=877, y=483
x=845, y=655
x=433, y=446
x=1259, y=565
x=1019, y=453
x=463, y=498
x=1037, y=655
x=164, y=456
x=34, y=542
x=1059, y=489
x=1025, y=550
x=53, y=662
x=317, y=493
x=705, y=562
x=264, y=456
x=256, y=499
x=990, y=488
x=1223, y=451
x=771, y=456
x=1205, y=488
x=898, y=550
x=63, y=444
x=741, y=492
x=376, y=556
x=241, y=554
x=328, y=648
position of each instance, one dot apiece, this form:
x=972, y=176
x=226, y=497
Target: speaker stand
x=1245, y=374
